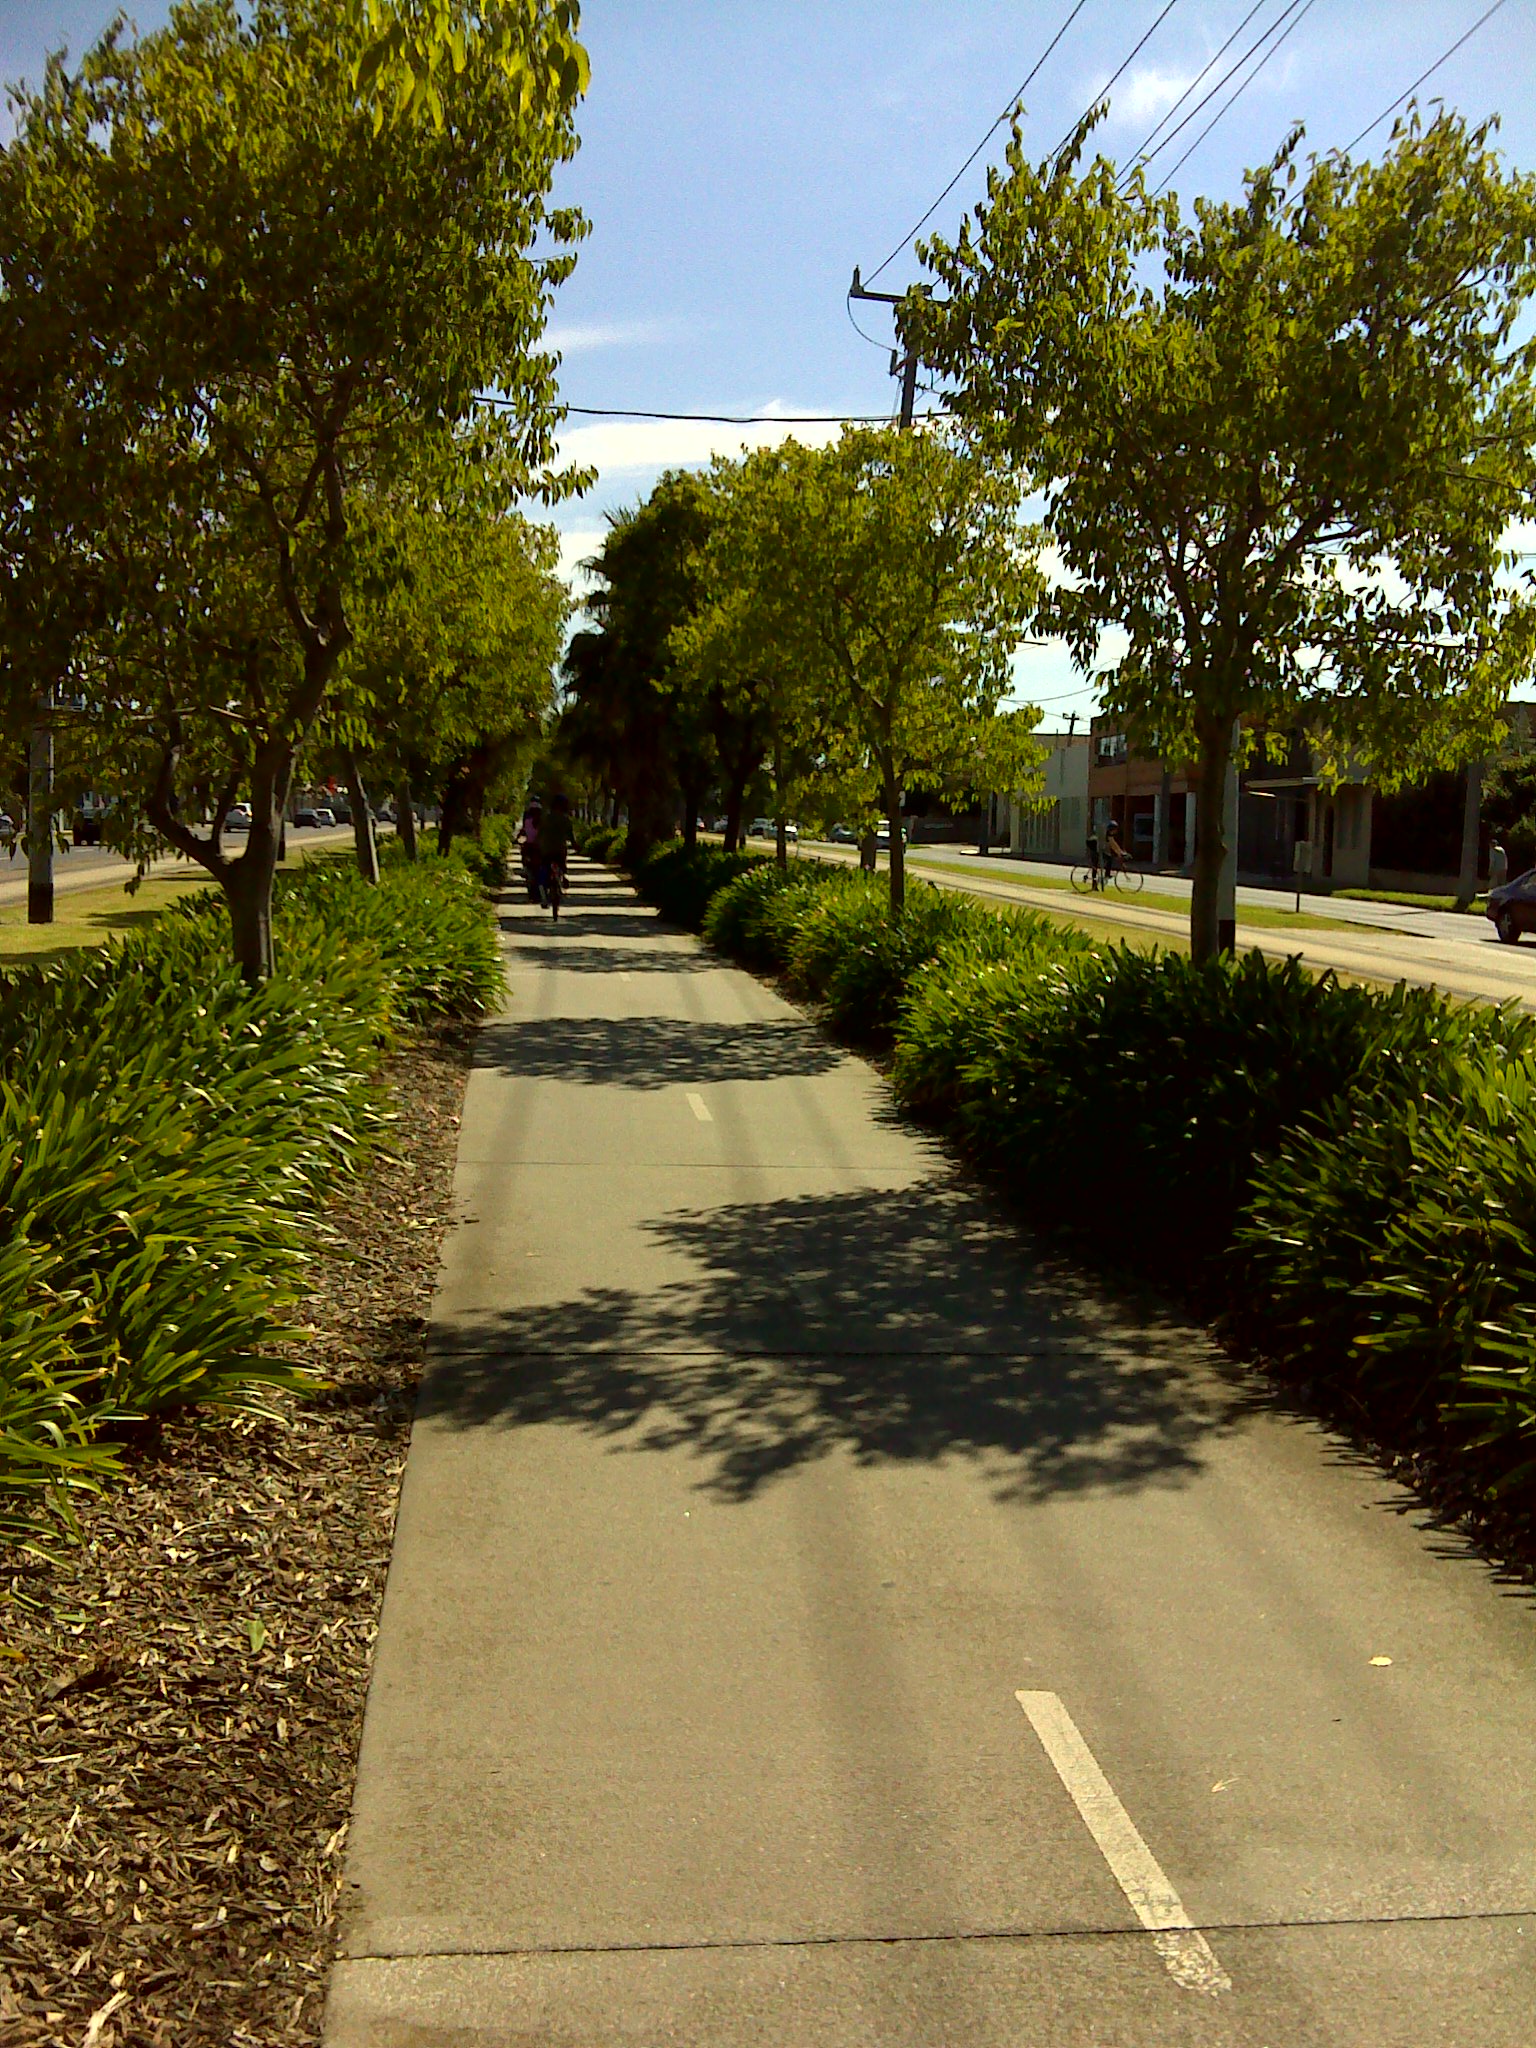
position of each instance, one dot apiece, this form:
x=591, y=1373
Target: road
x=97, y=867
x=816, y=1618
x=1386, y=942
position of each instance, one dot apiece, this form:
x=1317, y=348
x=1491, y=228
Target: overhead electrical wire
x=1193, y=86
x=1227, y=105
x=1006, y=115
x=1126, y=63
x=736, y=419
x=1444, y=57
x=1225, y=79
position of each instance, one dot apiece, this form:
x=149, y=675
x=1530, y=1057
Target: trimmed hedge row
x=168, y=1137
x=1347, y=1175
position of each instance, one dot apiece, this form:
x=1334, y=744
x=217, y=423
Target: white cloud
x=583, y=338
x=1147, y=93
x=578, y=545
x=623, y=447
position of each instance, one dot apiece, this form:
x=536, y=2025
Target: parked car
x=306, y=817
x=1512, y=906
x=7, y=828
x=883, y=833
x=766, y=828
x=324, y=816
x=843, y=835
x=239, y=819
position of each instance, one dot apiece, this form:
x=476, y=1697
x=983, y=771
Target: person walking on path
x=1498, y=866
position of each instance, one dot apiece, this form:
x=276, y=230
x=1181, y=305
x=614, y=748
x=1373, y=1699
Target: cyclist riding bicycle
x=551, y=845
x=1115, y=855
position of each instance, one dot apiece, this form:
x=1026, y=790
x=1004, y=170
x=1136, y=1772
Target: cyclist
x=553, y=843
x=1115, y=855
x=1094, y=871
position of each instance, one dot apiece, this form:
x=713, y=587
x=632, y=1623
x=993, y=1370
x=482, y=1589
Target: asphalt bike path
x=817, y=1617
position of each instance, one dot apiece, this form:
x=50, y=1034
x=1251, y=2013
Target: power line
x=1230, y=73
x=1194, y=84
x=1125, y=66
x=1006, y=115
x=734, y=419
x=1441, y=59
x=1227, y=105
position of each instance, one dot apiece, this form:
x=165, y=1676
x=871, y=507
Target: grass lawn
x=1475, y=908
x=1261, y=916
x=87, y=917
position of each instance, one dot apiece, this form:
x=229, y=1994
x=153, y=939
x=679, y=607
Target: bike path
x=759, y=1469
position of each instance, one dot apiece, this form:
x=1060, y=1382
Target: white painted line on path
x=700, y=1109
x=1136, y=1870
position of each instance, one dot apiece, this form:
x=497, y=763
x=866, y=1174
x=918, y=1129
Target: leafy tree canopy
x=1280, y=444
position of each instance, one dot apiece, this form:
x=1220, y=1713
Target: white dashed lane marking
x=1136, y=1870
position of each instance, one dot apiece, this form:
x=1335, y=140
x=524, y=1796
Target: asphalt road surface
x=97, y=867
x=818, y=1619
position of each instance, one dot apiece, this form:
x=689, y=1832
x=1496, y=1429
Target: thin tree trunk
x=1215, y=752
x=405, y=816
x=898, y=854
x=780, y=836
x=690, y=818
x=1471, y=836
x=362, y=824
x=40, y=815
x=247, y=884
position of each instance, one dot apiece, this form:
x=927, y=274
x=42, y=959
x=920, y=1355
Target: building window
x=1111, y=746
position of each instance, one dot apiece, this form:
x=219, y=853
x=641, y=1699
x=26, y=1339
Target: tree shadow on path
x=899, y=1328
x=654, y=1052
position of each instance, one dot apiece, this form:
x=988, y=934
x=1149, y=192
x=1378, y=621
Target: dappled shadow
x=653, y=1052
x=898, y=1328
x=568, y=953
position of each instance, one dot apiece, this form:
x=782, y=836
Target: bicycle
x=1118, y=874
x=552, y=888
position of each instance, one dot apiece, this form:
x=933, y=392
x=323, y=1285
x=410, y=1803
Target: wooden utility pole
x=903, y=366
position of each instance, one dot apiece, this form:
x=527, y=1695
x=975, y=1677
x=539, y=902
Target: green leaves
x=168, y=1138
x=1280, y=444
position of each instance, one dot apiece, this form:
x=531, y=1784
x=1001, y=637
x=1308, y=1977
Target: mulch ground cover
x=181, y=1693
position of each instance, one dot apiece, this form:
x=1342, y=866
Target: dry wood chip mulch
x=181, y=1696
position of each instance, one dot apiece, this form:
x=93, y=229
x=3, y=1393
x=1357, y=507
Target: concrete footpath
x=816, y=1619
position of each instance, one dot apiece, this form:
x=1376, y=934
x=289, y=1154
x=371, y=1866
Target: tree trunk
x=898, y=854
x=690, y=818
x=780, y=836
x=1471, y=835
x=247, y=884
x=362, y=824
x=405, y=816
x=40, y=815
x=1215, y=752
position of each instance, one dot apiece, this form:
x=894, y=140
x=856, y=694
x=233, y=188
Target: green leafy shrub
x=603, y=843
x=754, y=919
x=680, y=880
x=1392, y=1244
x=168, y=1138
x=861, y=962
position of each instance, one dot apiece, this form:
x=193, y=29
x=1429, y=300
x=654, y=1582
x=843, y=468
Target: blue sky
x=739, y=158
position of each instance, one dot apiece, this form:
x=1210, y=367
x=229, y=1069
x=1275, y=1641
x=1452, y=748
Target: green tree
x=451, y=675
x=895, y=578
x=632, y=710
x=277, y=310
x=1280, y=445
